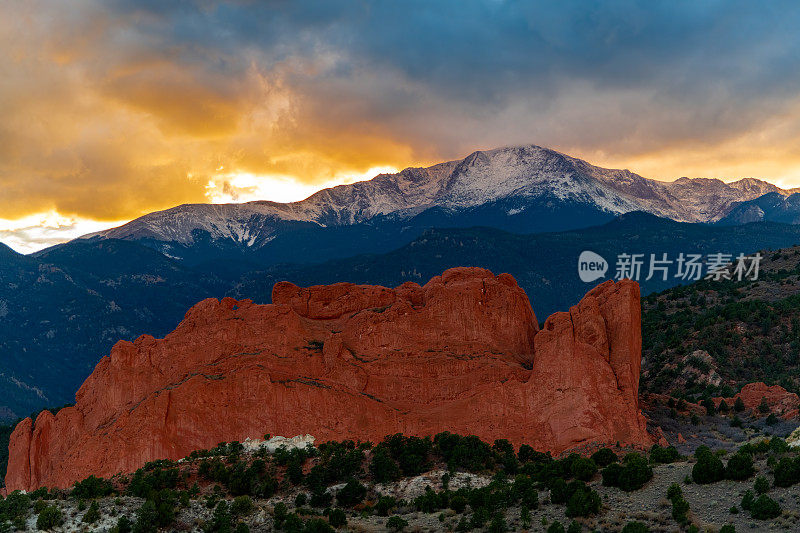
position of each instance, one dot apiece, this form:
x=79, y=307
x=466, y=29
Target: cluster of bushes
x=337, y=462
x=398, y=455
x=13, y=511
x=241, y=478
x=630, y=475
x=761, y=508
x=293, y=523
x=224, y=517
x=710, y=469
x=488, y=504
x=664, y=455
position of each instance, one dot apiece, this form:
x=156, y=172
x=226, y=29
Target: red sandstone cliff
x=780, y=401
x=461, y=354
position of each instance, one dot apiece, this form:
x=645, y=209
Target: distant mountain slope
x=60, y=312
x=523, y=189
x=772, y=207
x=545, y=265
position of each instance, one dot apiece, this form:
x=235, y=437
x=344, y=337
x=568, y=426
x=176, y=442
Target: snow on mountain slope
x=522, y=174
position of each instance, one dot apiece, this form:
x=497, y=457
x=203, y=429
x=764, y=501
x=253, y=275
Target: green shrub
x=747, y=500
x=430, y=501
x=301, y=499
x=709, y=467
x=740, y=467
x=292, y=524
x=574, y=527
x=279, y=514
x=525, y=516
x=583, y=468
x=524, y=490
x=498, y=524
x=505, y=455
x=221, y=521
x=479, y=518
x=556, y=527
x=92, y=515
x=242, y=505
x=680, y=507
x=778, y=445
x=49, y=518
x=583, y=501
x=351, y=494
x=15, y=507
x=38, y=507
x=469, y=453
x=708, y=403
x=146, y=518
x=664, y=455
x=765, y=508
x=124, y=525
x=147, y=480
x=787, y=472
x=763, y=407
x=630, y=475
x=92, y=487
x=727, y=528
x=604, y=457
x=761, y=485
x=387, y=503
x=738, y=405
x=382, y=467
x=396, y=523
x=337, y=518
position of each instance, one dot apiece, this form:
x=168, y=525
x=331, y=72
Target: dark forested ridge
x=750, y=330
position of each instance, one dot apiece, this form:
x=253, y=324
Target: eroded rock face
x=461, y=354
x=783, y=403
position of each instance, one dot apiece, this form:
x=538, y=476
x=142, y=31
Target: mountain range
x=526, y=189
x=526, y=210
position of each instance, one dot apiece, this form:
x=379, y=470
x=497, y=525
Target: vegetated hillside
x=749, y=329
x=62, y=311
x=442, y=483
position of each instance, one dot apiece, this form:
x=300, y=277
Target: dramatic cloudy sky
x=110, y=109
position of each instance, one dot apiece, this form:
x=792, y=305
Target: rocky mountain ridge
x=523, y=189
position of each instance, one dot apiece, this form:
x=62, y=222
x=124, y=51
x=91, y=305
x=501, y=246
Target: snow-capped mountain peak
x=515, y=180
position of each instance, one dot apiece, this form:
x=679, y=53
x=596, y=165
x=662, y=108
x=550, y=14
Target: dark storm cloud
x=114, y=108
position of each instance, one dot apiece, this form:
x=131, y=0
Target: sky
x=112, y=109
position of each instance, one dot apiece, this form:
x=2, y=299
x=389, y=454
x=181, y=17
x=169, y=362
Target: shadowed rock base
x=462, y=354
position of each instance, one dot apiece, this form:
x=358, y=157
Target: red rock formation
x=781, y=402
x=460, y=354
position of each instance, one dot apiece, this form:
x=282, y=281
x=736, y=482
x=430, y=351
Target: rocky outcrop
x=783, y=403
x=462, y=353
